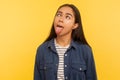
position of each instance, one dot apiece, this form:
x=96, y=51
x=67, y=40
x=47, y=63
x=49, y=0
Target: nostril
x=60, y=20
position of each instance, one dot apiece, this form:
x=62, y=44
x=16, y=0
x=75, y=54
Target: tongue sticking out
x=58, y=29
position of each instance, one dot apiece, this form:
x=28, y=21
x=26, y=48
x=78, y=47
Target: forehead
x=66, y=9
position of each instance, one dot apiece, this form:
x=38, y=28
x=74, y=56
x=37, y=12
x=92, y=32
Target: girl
x=65, y=55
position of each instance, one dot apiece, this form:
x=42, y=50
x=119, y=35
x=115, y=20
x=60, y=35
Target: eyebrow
x=66, y=13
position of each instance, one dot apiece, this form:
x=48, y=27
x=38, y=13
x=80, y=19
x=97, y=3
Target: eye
x=68, y=17
x=58, y=14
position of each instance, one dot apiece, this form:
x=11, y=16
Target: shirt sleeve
x=91, y=69
x=36, y=68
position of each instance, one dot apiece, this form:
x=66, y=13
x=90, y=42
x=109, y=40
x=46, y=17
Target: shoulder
x=43, y=46
x=84, y=47
x=85, y=50
x=41, y=49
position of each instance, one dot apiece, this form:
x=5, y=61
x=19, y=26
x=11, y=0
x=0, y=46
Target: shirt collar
x=52, y=45
x=73, y=44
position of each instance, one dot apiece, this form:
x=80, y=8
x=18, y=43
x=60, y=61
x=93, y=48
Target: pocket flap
x=46, y=66
x=79, y=67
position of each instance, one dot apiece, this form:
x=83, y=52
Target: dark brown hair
x=77, y=34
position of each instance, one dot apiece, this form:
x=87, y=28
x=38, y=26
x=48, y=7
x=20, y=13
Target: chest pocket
x=46, y=62
x=46, y=67
x=47, y=71
x=78, y=67
x=77, y=71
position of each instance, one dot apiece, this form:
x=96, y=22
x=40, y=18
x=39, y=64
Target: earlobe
x=75, y=26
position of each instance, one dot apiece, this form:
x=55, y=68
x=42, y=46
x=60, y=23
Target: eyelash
x=67, y=17
x=58, y=14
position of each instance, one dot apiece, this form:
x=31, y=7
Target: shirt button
x=56, y=64
x=65, y=54
x=66, y=77
x=44, y=68
x=80, y=69
x=65, y=65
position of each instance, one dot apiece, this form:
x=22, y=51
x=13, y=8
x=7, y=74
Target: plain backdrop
x=25, y=24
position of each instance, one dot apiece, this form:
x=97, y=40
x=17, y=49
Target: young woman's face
x=64, y=21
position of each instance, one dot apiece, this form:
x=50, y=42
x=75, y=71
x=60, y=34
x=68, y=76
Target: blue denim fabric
x=78, y=61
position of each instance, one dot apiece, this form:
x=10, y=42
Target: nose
x=61, y=19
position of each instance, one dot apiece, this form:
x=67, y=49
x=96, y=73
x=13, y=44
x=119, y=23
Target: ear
x=75, y=25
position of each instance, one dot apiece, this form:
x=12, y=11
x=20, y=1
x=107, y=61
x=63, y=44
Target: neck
x=63, y=41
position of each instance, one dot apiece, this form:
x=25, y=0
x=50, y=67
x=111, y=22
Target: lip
x=60, y=26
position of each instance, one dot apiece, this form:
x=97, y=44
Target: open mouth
x=59, y=29
x=60, y=26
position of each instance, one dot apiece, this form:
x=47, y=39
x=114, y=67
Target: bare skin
x=64, y=23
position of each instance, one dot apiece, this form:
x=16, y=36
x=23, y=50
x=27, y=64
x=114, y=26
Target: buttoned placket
x=65, y=65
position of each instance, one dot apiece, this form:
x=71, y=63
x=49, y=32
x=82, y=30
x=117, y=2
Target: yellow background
x=24, y=25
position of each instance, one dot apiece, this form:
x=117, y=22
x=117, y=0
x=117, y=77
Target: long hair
x=77, y=34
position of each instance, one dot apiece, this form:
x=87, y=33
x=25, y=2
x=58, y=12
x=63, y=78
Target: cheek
x=55, y=22
x=55, y=19
x=69, y=22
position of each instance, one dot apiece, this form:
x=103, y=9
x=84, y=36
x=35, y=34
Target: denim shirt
x=78, y=62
